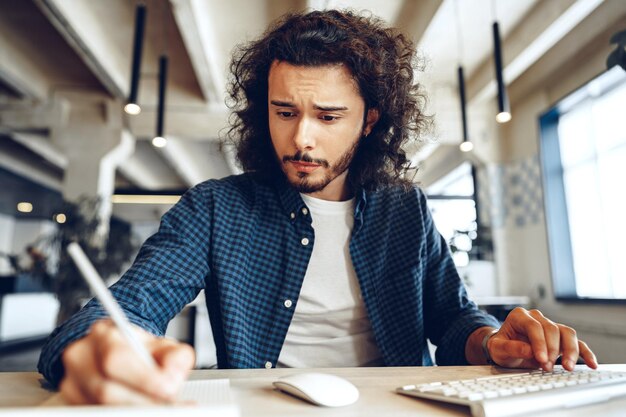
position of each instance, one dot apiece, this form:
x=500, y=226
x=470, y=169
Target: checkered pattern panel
x=511, y=194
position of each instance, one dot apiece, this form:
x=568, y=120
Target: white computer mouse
x=320, y=389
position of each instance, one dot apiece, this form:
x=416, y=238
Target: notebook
x=212, y=397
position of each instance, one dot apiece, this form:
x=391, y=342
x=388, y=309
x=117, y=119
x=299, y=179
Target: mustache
x=305, y=157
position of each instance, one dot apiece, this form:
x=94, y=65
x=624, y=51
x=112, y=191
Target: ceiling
x=50, y=46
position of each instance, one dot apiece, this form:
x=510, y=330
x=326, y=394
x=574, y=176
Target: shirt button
x=305, y=211
x=268, y=365
x=288, y=303
x=292, y=215
x=304, y=241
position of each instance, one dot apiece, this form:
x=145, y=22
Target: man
x=321, y=254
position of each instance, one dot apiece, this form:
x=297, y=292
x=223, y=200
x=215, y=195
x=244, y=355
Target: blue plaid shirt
x=248, y=244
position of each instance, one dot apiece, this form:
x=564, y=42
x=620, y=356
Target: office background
x=65, y=76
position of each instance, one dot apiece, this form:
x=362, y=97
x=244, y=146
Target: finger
x=81, y=372
x=587, y=355
x=88, y=386
x=552, y=337
x=112, y=393
x=71, y=393
x=118, y=362
x=97, y=390
x=522, y=322
x=175, y=358
x=569, y=347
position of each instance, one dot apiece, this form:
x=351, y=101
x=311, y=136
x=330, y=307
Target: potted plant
x=109, y=255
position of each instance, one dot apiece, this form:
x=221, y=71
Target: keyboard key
x=475, y=396
x=505, y=392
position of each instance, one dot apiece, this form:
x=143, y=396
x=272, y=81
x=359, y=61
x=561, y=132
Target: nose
x=303, y=136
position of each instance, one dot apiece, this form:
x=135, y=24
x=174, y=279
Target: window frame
x=563, y=277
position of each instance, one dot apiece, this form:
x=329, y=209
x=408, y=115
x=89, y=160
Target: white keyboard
x=526, y=392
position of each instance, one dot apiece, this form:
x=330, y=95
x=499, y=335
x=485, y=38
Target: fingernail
x=549, y=366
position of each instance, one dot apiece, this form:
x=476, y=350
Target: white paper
x=207, y=391
x=212, y=398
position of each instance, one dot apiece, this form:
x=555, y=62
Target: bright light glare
x=60, y=218
x=159, y=142
x=132, y=109
x=503, y=117
x=466, y=146
x=24, y=207
x=144, y=199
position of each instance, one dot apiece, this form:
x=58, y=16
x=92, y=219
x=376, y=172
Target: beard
x=305, y=184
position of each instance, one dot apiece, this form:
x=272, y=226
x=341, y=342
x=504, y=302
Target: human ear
x=370, y=120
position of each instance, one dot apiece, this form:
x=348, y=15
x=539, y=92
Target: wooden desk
x=253, y=391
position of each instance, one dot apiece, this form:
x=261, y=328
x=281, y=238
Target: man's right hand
x=102, y=368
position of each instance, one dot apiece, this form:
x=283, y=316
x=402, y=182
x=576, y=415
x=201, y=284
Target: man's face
x=316, y=121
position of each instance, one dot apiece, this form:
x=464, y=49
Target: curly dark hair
x=382, y=62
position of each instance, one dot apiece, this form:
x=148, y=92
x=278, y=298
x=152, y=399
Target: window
x=583, y=152
x=451, y=202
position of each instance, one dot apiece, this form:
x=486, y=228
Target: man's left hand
x=527, y=339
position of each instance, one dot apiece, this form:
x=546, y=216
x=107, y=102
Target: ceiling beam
x=193, y=18
x=192, y=166
x=25, y=165
x=440, y=162
x=140, y=174
x=546, y=24
x=84, y=31
x=20, y=123
x=584, y=49
x=192, y=124
x=415, y=17
x=17, y=69
x=40, y=145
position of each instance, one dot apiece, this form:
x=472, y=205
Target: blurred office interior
x=531, y=207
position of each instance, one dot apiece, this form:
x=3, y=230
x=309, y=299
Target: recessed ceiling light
x=60, y=218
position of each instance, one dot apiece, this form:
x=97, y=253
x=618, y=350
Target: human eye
x=329, y=118
x=285, y=114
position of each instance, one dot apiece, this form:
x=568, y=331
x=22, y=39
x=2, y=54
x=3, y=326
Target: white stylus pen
x=108, y=302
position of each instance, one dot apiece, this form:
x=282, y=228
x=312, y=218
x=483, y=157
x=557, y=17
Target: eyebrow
x=316, y=107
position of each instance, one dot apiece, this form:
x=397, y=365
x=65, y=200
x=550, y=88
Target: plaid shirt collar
x=292, y=202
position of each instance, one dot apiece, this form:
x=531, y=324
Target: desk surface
x=254, y=393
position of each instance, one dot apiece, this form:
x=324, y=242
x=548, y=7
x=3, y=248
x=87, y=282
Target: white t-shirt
x=330, y=327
